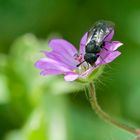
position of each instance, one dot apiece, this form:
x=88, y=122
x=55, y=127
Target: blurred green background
x=33, y=107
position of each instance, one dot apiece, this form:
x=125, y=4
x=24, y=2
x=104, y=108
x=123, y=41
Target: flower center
x=83, y=66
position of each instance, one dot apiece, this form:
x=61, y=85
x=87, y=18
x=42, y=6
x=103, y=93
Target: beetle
x=96, y=39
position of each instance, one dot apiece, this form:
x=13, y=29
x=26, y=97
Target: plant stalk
x=95, y=106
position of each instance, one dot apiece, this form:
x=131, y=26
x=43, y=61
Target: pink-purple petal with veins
x=68, y=62
x=112, y=46
x=83, y=43
x=71, y=76
x=48, y=63
x=64, y=49
x=107, y=57
x=62, y=46
x=109, y=36
x=51, y=72
x=111, y=56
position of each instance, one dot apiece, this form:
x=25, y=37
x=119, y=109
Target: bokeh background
x=33, y=107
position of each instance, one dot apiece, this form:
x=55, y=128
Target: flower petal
x=107, y=57
x=63, y=51
x=111, y=56
x=110, y=35
x=83, y=44
x=48, y=64
x=62, y=46
x=71, y=76
x=112, y=46
x=69, y=62
x=51, y=72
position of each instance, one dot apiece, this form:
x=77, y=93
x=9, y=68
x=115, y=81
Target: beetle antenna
x=80, y=63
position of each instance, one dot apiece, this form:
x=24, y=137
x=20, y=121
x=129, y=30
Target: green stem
x=105, y=116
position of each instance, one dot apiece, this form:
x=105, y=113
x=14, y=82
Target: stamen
x=81, y=67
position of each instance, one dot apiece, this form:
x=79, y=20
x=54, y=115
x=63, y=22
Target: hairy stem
x=105, y=116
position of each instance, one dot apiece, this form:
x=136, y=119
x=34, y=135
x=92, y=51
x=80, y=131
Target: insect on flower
x=96, y=40
x=96, y=49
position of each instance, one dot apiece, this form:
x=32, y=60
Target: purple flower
x=64, y=57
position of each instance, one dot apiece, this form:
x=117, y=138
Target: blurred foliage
x=33, y=107
x=22, y=87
